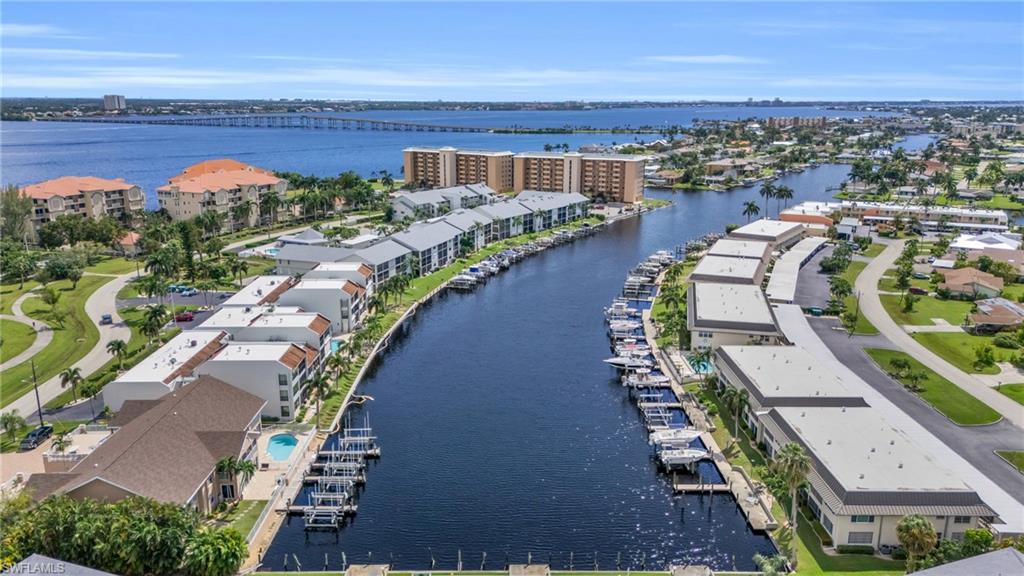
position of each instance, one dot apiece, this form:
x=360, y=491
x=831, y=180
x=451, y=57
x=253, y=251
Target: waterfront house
x=167, y=449
x=341, y=301
x=84, y=196
x=473, y=224
x=779, y=233
x=219, y=186
x=276, y=372
x=929, y=217
x=721, y=314
x=165, y=370
x=261, y=290
x=387, y=258
x=507, y=219
x=435, y=244
x=735, y=168
x=272, y=323
x=297, y=259
x=971, y=282
x=358, y=272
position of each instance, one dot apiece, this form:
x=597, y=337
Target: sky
x=514, y=52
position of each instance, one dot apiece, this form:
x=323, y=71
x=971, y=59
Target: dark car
x=918, y=291
x=185, y=317
x=36, y=437
x=106, y=319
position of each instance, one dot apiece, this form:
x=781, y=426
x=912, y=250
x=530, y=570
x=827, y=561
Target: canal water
x=503, y=432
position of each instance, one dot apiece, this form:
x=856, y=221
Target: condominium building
x=447, y=167
x=86, y=196
x=341, y=301
x=611, y=177
x=733, y=248
x=778, y=233
x=219, y=186
x=274, y=324
x=261, y=290
x=276, y=372
x=929, y=217
x=726, y=270
x=781, y=286
x=722, y=314
x=435, y=244
x=438, y=201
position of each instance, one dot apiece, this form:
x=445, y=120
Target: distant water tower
x=114, y=103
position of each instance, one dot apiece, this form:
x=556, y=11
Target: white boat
x=639, y=280
x=682, y=456
x=673, y=436
x=463, y=282
x=625, y=347
x=620, y=309
x=617, y=325
x=628, y=363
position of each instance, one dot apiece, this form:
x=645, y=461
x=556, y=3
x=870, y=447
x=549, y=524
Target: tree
x=20, y=264
x=89, y=390
x=736, y=400
x=241, y=212
x=215, y=552
x=153, y=321
x=241, y=469
x=75, y=274
x=783, y=194
x=270, y=203
x=915, y=378
x=767, y=192
x=970, y=173
x=751, y=209
x=11, y=422
x=119, y=349
x=61, y=444
x=71, y=377
x=770, y=565
x=15, y=209
x=319, y=384
x=917, y=536
x=792, y=464
x=387, y=181
x=984, y=356
x=899, y=366
x=238, y=268
x=839, y=288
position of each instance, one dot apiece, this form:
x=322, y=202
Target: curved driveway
x=871, y=308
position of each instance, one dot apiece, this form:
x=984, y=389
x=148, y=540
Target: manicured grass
x=10, y=443
x=863, y=325
x=15, y=338
x=113, y=266
x=655, y=202
x=1013, y=292
x=10, y=292
x=926, y=308
x=873, y=250
x=70, y=342
x=957, y=348
x=946, y=397
x=1014, y=391
x=128, y=291
x=853, y=270
x=244, y=515
x=1016, y=459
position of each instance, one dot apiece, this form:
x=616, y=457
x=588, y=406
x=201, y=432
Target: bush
x=855, y=549
x=1006, y=341
x=899, y=554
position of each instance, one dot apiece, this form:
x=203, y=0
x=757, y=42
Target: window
x=862, y=519
x=286, y=411
x=282, y=379
x=961, y=519
x=826, y=523
x=860, y=537
x=284, y=395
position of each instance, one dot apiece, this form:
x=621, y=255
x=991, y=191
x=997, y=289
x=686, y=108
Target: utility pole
x=35, y=385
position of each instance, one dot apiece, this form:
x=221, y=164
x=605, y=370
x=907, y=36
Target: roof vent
x=872, y=449
x=193, y=343
x=860, y=476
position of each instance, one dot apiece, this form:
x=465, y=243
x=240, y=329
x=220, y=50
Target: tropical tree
x=270, y=203
x=899, y=366
x=702, y=358
x=236, y=468
x=767, y=192
x=241, y=212
x=917, y=536
x=119, y=349
x=214, y=552
x=90, y=389
x=736, y=401
x=238, y=268
x=11, y=421
x=320, y=384
x=61, y=444
x=751, y=209
x=71, y=377
x=50, y=296
x=771, y=565
x=387, y=181
x=792, y=464
x=970, y=174
x=165, y=261
x=153, y=321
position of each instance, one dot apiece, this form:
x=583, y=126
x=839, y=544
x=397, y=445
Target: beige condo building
x=218, y=186
x=614, y=177
x=447, y=167
x=86, y=196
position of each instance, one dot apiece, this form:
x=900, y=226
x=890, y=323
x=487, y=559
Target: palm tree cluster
x=770, y=191
x=673, y=296
x=792, y=464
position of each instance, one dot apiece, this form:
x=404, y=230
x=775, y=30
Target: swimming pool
x=701, y=366
x=272, y=251
x=280, y=446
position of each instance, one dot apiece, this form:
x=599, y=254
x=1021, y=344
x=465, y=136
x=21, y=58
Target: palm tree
x=153, y=321
x=11, y=422
x=770, y=565
x=917, y=536
x=118, y=348
x=61, y=444
x=970, y=173
x=750, y=209
x=793, y=464
x=737, y=401
x=319, y=384
x=672, y=297
x=89, y=390
x=702, y=358
x=782, y=193
x=270, y=203
x=242, y=211
x=71, y=377
x=238, y=267
x=767, y=192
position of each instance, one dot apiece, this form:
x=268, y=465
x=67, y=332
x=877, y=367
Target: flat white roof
x=736, y=248
x=864, y=451
x=321, y=284
x=712, y=268
x=931, y=210
x=252, y=352
x=239, y=316
x=161, y=364
x=285, y=320
x=784, y=372
x=782, y=282
x=741, y=307
x=339, y=266
x=814, y=208
x=770, y=230
x=256, y=291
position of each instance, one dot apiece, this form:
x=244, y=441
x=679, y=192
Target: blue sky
x=526, y=51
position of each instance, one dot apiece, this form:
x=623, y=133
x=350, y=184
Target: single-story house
x=996, y=314
x=971, y=282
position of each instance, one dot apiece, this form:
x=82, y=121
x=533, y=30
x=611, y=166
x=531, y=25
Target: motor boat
x=628, y=362
x=620, y=309
x=619, y=325
x=673, y=437
x=643, y=378
x=682, y=456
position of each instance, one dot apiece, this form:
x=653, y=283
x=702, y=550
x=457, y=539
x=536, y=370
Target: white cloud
x=705, y=59
x=75, y=54
x=12, y=30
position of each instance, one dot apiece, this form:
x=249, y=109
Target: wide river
x=502, y=430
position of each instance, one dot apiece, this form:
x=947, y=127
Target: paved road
x=44, y=335
x=101, y=302
x=240, y=245
x=871, y=308
x=976, y=444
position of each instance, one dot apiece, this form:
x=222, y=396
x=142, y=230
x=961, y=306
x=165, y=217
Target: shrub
x=1006, y=341
x=855, y=549
x=899, y=554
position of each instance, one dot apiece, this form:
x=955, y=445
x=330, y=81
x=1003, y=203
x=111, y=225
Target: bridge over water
x=305, y=121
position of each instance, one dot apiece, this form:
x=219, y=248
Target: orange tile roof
x=223, y=180
x=218, y=165
x=73, y=186
x=806, y=218
x=293, y=356
x=353, y=289
x=129, y=238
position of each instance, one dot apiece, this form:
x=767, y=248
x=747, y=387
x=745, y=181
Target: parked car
x=106, y=319
x=931, y=259
x=173, y=288
x=36, y=437
x=185, y=316
x=918, y=291
x=189, y=291
x=921, y=275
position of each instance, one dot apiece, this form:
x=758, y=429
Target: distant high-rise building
x=447, y=167
x=613, y=177
x=114, y=103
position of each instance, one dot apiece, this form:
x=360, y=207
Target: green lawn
x=1014, y=391
x=1016, y=459
x=11, y=292
x=926, y=308
x=957, y=348
x=9, y=443
x=873, y=250
x=887, y=283
x=853, y=270
x=15, y=338
x=244, y=515
x=863, y=326
x=946, y=397
x=113, y=266
x=70, y=342
x=1013, y=292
